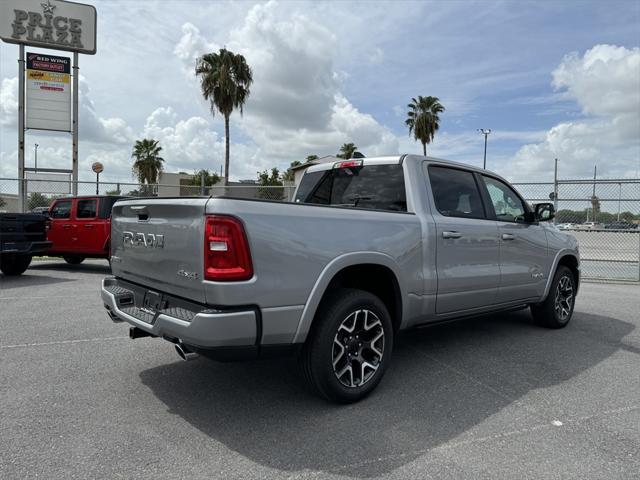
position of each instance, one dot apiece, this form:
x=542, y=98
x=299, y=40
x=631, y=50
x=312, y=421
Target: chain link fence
x=603, y=214
x=41, y=193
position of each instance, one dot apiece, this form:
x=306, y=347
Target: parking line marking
x=61, y=342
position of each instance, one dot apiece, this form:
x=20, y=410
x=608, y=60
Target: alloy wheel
x=564, y=298
x=358, y=348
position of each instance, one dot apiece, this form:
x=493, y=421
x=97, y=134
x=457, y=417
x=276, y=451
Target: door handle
x=88, y=226
x=451, y=234
x=508, y=236
x=66, y=226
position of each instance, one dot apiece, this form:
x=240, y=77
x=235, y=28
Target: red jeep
x=80, y=227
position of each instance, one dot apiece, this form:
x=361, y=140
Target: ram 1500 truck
x=367, y=248
x=22, y=235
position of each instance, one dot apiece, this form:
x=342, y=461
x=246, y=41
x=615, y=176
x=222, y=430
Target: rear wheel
x=349, y=346
x=556, y=311
x=12, y=265
x=73, y=260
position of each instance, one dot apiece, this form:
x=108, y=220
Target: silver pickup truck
x=367, y=248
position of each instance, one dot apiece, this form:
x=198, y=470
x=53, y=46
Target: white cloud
x=296, y=107
x=9, y=101
x=605, y=82
x=191, y=46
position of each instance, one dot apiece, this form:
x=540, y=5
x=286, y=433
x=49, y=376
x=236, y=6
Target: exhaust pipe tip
x=184, y=353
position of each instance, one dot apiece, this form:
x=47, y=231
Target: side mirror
x=544, y=212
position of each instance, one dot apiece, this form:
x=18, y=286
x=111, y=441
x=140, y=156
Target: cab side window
x=455, y=192
x=62, y=209
x=86, y=208
x=506, y=202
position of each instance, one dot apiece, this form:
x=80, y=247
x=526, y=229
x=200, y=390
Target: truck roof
x=392, y=160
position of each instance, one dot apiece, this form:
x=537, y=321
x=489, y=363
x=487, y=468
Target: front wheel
x=73, y=260
x=557, y=309
x=349, y=346
x=12, y=265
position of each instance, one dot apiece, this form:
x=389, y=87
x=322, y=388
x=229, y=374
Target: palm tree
x=423, y=120
x=225, y=78
x=347, y=150
x=147, y=165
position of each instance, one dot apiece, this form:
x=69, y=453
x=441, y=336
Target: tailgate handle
x=141, y=211
x=451, y=235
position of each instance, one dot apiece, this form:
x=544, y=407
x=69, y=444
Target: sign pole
x=21, y=182
x=97, y=183
x=74, y=166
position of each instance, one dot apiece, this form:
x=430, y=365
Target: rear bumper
x=179, y=320
x=25, y=248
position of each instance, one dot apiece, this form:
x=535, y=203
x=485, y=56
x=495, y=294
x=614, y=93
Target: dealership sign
x=52, y=24
x=48, y=92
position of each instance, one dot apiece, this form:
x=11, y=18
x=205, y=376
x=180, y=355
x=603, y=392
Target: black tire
x=12, y=265
x=323, y=356
x=72, y=260
x=557, y=309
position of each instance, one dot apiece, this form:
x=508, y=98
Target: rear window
x=62, y=209
x=374, y=187
x=86, y=208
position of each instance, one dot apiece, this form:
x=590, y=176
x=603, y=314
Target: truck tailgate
x=159, y=243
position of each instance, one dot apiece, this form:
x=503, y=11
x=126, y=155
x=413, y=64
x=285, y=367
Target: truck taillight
x=226, y=250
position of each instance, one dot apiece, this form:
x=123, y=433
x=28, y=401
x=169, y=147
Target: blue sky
x=549, y=78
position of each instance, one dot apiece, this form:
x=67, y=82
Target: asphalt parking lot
x=492, y=397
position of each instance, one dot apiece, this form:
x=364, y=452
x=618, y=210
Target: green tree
x=2, y=202
x=112, y=193
x=423, y=119
x=210, y=178
x=147, y=164
x=347, y=150
x=37, y=200
x=289, y=175
x=225, y=78
x=269, y=181
x=311, y=158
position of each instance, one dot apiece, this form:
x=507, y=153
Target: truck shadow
x=28, y=281
x=443, y=381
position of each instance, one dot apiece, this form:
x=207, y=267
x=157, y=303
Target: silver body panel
x=297, y=249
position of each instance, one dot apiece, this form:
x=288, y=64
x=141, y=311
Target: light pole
x=619, y=198
x=35, y=145
x=485, y=132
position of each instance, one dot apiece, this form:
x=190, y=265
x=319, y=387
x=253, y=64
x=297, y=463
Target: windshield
x=375, y=187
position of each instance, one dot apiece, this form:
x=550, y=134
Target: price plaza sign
x=58, y=25
x=50, y=24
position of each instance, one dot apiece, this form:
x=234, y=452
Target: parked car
x=565, y=226
x=40, y=210
x=80, y=227
x=621, y=226
x=22, y=235
x=590, y=226
x=368, y=248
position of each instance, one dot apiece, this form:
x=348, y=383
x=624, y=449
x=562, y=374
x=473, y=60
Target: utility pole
x=35, y=145
x=22, y=191
x=555, y=188
x=485, y=132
